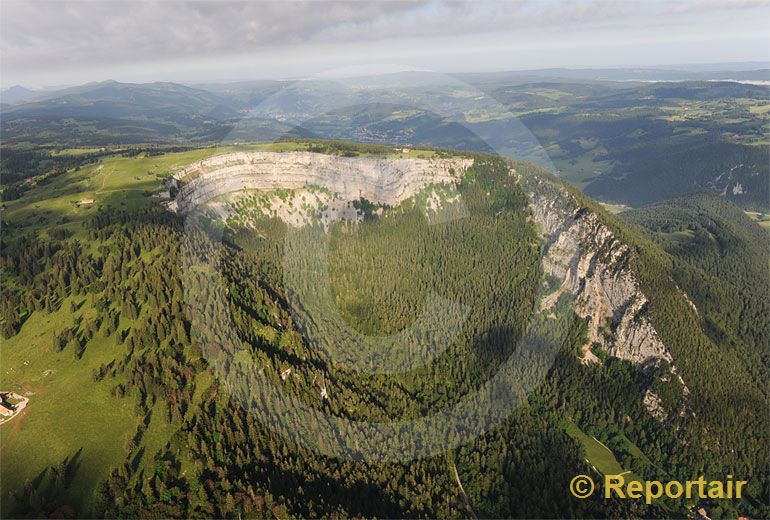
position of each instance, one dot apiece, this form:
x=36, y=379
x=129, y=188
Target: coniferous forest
x=125, y=290
x=291, y=259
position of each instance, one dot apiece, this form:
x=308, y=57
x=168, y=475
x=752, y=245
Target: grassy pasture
x=598, y=455
x=615, y=208
x=76, y=151
x=762, y=219
x=69, y=414
x=67, y=410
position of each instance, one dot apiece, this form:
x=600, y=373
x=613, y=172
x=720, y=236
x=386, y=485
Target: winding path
x=462, y=492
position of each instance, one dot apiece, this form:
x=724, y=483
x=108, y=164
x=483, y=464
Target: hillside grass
x=615, y=208
x=597, y=455
x=128, y=183
x=120, y=182
x=763, y=219
x=67, y=410
x=361, y=150
x=76, y=151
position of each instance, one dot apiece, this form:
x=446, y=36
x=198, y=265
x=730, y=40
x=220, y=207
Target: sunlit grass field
x=67, y=411
x=69, y=415
x=598, y=455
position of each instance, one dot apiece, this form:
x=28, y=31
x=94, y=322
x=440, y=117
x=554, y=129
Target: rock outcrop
x=379, y=180
x=593, y=265
x=583, y=258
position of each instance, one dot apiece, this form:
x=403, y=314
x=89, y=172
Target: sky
x=70, y=42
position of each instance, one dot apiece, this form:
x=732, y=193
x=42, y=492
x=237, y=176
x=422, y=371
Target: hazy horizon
x=705, y=67
x=68, y=43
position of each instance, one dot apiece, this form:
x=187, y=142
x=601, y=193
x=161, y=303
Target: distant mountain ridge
x=119, y=113
x=621, y=140
x=113, y=99
x=16, y=94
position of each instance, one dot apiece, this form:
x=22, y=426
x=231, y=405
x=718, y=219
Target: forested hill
x=121, y=365
x=737, y=172
x=721, y=259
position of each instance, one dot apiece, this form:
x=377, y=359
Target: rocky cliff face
x=582, y=257
x=379, y=180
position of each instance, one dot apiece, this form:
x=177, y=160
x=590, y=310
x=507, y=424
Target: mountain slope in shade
x=111, y=99
x=17, y=94
x=737, y=172
x=722, y=261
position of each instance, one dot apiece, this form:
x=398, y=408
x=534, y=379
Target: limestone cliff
x=582, y=257
x=379, y=180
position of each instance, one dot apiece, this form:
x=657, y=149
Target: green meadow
x=763, y=219
x=70, y=416
x=597, y=454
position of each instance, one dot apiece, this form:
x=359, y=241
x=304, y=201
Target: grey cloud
x=37, y=35
x=704, y=6
x=168, y=28
x=99, y=32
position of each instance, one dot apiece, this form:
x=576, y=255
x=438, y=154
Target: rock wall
x=582, y=257
x=587, y=261
x=379, y=180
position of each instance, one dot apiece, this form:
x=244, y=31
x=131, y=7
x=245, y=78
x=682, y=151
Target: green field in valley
x=597, y=454
x=68, y=416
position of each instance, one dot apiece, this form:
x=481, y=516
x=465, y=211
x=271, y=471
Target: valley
x=343, y=260
x=622, y=142
x=113, y=313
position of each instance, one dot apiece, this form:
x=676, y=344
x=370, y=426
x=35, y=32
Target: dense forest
x=721, y=260
x=737, y=172
x=140, y=283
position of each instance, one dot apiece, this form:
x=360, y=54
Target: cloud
x=702, y=6
x=38, y=36
x=114, y=30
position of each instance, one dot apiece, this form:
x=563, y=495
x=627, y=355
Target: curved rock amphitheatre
x=379, y=180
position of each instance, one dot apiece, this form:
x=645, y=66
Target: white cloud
x=700, y=6
x=64, y=39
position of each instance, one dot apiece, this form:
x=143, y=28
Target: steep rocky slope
x=379, y=180
x=592, y=264
x=582, y=257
